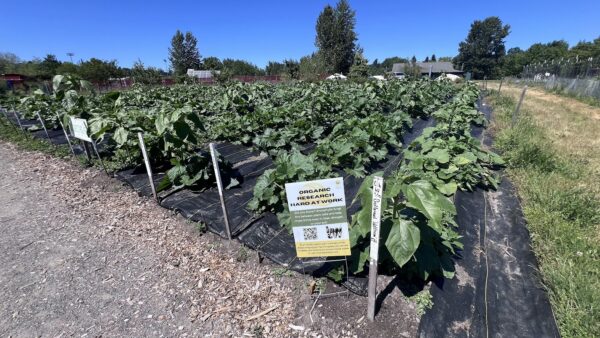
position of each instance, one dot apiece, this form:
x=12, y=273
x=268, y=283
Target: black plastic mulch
x=497, y=290
x=262, y=233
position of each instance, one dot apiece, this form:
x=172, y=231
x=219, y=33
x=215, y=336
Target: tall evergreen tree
x=433, y=58
x=413, y=59
x=183, y=53
x=482, y=51
x=336, y=39
x=427, y=59
x=360, y=66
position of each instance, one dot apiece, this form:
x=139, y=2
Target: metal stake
x=516, y=112
x=43, y=126
x=18, y=119
x=213, y=154
x=147, y=163
x=66, y=134
x=99, y=158
x=374, y=249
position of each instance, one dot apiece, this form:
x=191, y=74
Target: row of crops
x=310, y=131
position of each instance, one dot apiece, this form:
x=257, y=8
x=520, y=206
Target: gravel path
x=82, y=255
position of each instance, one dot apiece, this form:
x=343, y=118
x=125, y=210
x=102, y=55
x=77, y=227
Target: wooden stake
x=500, y=87
x=213, y=154
x=374, y=250
x=147, y=163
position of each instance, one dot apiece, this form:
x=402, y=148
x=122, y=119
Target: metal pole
x=374, y=249
x=147, y=163
x=516, y=112
x=18, y=119
x=66, y=134
x=43, y=126
x=213, y=154
x=100, y=158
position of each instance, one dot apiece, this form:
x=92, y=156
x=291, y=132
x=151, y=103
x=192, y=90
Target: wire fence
x=575, y=76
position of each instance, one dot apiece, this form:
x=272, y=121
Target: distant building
x=14, y=80
x=201, y=74
x=436, y=69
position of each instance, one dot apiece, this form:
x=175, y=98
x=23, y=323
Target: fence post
x=500, y=87
x=516, y=112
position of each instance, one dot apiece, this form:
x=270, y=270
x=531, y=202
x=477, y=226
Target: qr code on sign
x=310, y=234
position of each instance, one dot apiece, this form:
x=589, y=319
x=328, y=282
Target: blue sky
x=259, y=31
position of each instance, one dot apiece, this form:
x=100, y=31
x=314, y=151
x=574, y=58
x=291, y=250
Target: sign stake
x=43, y=126
x=516, y=112
x=147, y=163
x=66, y=134
x=99, y=158
x=374, y=249
x=213, y=154
x=18, y=119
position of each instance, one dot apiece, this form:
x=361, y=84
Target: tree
x=413, y=59
x=513, y=62
x=292, y=69
x=311, y=67
x=143, y=75
x=411, y=69
x=183, y=53
x=67, y=68
x=336, y=39
x=540, y=52
x=241, y=67
x=446, y=59
x=433, y=59
x=427, y=59
x=98, y=71
x=360, y=67
x=482, y=51
x=275, y=68
x=212, y=63
x=8, y=62
x=48, y=66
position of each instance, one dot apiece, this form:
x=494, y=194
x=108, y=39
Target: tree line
x=482, y=53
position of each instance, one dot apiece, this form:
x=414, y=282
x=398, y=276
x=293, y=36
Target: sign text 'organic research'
x=318, y=216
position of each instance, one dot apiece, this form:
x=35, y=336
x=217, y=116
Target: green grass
x=24, y=140
x=563, y=215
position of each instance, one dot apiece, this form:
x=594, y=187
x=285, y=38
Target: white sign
x=376, y=216
x=318, y=216
x=374, y=251
x=79, y=129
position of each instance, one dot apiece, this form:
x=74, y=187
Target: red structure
x=13, y=80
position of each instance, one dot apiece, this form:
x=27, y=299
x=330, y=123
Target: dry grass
x=553, y=158
x=571, y=125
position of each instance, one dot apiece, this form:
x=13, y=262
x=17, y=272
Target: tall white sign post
x=374, y=251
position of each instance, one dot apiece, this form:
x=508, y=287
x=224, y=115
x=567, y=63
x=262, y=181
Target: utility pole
x=70, y=54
